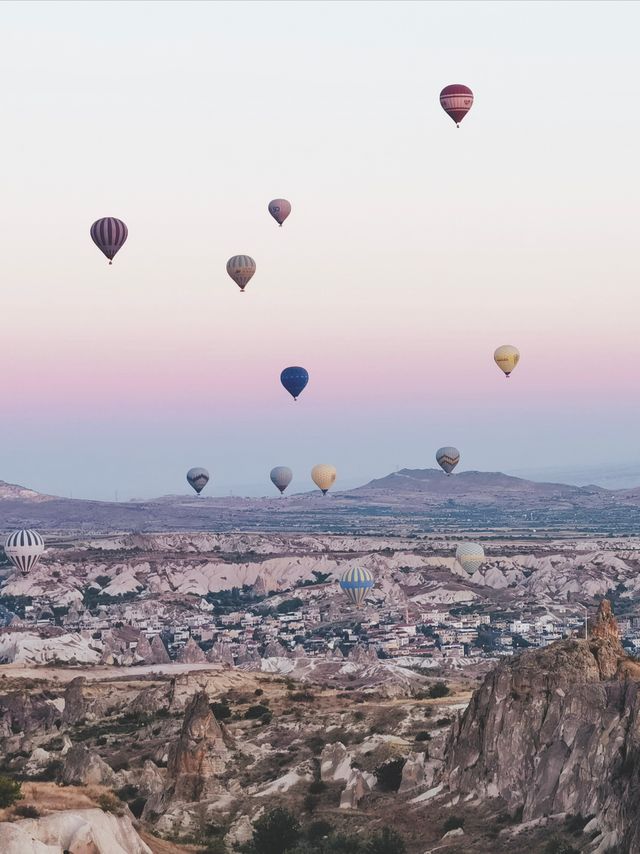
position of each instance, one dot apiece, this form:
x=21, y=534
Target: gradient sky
x=413, y=249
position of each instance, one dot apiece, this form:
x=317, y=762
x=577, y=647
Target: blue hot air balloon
x=294, y=379
x=356, y=583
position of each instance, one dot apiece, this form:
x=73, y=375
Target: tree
x=9, y=791
x=387, y=841
x=438, y=689
x=389, y=774
x=275, y=832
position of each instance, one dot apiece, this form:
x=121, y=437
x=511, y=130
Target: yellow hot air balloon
x=506, y=358
x=324, y=476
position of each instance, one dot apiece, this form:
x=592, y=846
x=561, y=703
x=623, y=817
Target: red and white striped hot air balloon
x=456, y=100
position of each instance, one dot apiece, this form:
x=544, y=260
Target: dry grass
x=49, y=797
x=161, y=846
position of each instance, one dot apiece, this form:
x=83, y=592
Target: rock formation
x=85, y=767
x=199, y=756
x=159, y=652
x=556, y=730
x=191, y=654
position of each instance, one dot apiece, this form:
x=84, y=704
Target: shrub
x=317, y=830
x=255, y=712
x=258, y=692
x=137, y=806
x=302, y=696
x=221, y=711
x=109, y=803
x=438, y=689
x=9, y=791
x=27, y=811
x=453, y=823
x=443, y=721
x=387, y=841
x=423, y=735
x=275, y=831
x=557, y=846
x=317, y=786
x=389, y=774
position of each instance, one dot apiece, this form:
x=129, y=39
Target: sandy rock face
x=84, y=766
x=90, y=831
x=191, y=653
x=335, y=763
x=545, y=729
x=199, y=755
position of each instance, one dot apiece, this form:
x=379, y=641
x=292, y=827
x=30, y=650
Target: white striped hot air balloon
x=324, y=476
x=470, y=556
x=24, y=548
x=448, y=458
x=241, y=269
x=506, y=358
x=356, y=583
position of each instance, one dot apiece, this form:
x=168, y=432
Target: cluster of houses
x=321, y=627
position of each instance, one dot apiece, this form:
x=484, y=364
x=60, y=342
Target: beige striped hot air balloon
x=447, y=458
x=241, y=268
x=470, y=556
x=506, y=358
x=324, y=476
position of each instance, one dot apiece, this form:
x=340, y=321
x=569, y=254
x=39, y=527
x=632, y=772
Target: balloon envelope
x=447, y=458
x=470, y=556
x=456, y=100
x=294, y=379
x=324, y=476
x=198, y=478
x=279, y=209
x=241, y=268
x=23, y=548
x=356, y=583
x=109, y=235
x=506, y=358
x=281, y=477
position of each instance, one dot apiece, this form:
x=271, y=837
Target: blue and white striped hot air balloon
x=23, y=548
x=356, y=583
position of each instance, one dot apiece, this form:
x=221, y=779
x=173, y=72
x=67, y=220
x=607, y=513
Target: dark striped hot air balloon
x=23, y=548
x=109, y=235
x=356, y=583
x=456, y=100
x=447, y=458
x=198, y=478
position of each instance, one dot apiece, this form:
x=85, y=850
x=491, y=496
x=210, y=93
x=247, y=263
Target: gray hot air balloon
x=241, y=268
x=447, y=458
x=470, y=556
x=281, y=477
x=23, y=548
x=198, y=478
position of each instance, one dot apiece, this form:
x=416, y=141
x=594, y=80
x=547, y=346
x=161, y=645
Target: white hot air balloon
x=470, y=556
x=24, y=548
x=281, y=477
x=506, y=358
x=447, y=458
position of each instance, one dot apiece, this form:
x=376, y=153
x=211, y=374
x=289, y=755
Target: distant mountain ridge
x=497, y=499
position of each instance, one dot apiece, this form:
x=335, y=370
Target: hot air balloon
x=356, y=583
x=241, y=269
x=506, y=358
x=23, y=548
x=281, y=477
x=198, y=478
x=324, y=476
x=109, y=235
x=294, y=379
x=456, y=100
x=470, y=556
x=279, y=210
x=447, y=458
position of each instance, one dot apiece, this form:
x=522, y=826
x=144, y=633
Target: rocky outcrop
x=221, y=651
x=88, y=831
x=361, y=654
x=358, y=785
x=335, y=763
x=79, y=705
x=85, y=767
x=159, y=654
x=557, y=730
x=191, y=654
x=199, y=756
